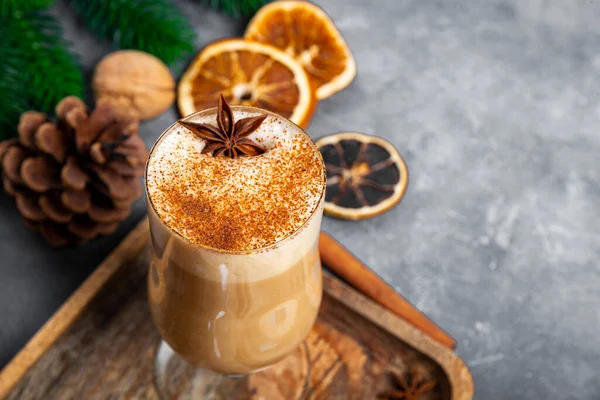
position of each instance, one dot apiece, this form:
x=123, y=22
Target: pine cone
x=76, y=178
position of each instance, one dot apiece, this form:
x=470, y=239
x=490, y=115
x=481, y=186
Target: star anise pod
x=411, y=388
x=228, y=139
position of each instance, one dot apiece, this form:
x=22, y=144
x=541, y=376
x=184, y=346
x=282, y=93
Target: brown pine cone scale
x=75, y=178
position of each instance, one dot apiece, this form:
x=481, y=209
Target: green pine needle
x=53, y=71
x=155, y=26
x=236, y=8
x=14, y=91
x=9, y=7
x=37, y=69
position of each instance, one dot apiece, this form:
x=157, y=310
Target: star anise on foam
x=411, y=388
x=228, y=139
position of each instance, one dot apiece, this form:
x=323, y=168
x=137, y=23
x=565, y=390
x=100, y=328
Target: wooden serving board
x=100, y=344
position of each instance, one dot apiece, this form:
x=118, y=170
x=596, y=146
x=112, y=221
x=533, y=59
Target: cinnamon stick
x=352, y=270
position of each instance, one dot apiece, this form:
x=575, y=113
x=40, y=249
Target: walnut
x=135, y=79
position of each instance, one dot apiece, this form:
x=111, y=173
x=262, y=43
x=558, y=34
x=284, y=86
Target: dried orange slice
x=247, y=73
x=366, y=175
x=306, y=32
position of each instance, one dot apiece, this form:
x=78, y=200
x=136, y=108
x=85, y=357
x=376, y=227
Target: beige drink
x=235, y=279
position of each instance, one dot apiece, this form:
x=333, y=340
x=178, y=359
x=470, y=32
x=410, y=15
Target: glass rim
x=247, y=251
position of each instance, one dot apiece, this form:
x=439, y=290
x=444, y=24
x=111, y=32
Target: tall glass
x=233, y=313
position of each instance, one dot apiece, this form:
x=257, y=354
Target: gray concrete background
x=495, y=105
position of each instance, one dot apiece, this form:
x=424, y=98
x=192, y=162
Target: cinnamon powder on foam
x=237, y=204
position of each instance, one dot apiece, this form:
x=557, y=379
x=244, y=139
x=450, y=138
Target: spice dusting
x=238, y=204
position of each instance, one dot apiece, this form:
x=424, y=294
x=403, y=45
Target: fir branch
x=9, y=7
x=37, y=69
x=155, y=26
x=14, y=91
x=236, y=8
x=51, y=71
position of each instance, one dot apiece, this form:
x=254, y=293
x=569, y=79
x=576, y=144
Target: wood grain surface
x=101, y=343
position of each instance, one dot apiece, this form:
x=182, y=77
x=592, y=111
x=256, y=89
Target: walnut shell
x=135, y=79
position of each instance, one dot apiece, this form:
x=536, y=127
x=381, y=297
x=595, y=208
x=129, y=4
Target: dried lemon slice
x=247, y=73
x=366, y=175
x=306, y=32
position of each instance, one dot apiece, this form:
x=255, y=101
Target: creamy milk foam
x=235, y=279
x=244, y=185
x=180, y=149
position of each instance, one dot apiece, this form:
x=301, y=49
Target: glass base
x=175, y=378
